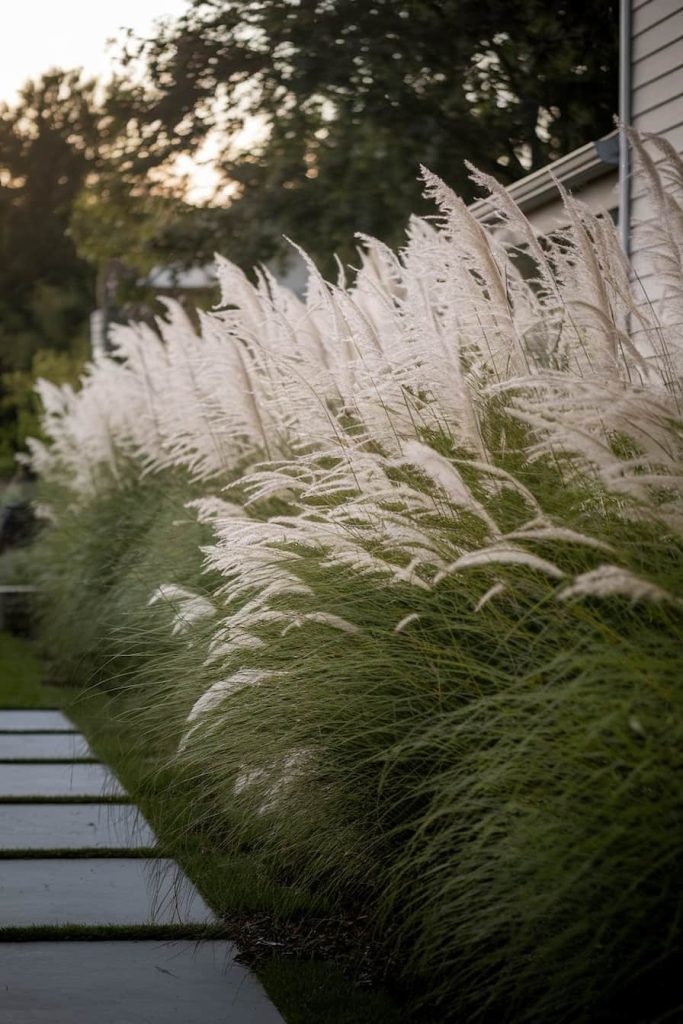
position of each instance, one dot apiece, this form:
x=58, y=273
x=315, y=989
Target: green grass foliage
x=428, y=662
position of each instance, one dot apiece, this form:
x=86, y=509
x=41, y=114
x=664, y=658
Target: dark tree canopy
x=357, y=94
x=74, y=193
x=352, y=95
x=46, y=144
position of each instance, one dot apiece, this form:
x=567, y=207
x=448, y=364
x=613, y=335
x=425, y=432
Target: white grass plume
x=615, y=581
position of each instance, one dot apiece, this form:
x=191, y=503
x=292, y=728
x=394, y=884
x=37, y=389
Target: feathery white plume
x=614, y=581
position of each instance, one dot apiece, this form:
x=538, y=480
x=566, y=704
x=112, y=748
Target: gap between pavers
x=141, y=982
x=125, y=981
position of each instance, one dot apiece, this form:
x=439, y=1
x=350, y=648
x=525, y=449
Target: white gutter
x=573, y=170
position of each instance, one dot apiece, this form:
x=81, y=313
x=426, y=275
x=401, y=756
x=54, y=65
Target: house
x=591, y=173
x=651, y=93
x=196, y=287
x=601, y=173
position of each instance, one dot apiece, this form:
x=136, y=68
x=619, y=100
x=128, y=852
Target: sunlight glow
x=41, y=35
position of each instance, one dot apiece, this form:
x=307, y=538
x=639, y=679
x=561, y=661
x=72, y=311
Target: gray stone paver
x=43, y=746
x=58, y=780
x=35, y=721
x=100, y=891
x=129, y=983
x=103, y=982
x=73, y=827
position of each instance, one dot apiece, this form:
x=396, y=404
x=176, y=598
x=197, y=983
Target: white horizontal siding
x=652, y=12
x=648, y=98
x=652, y=68
x=601, y=195
x=664, y=114
x=641, y=208
x=675, y=137
x=657, y=107
x=667, y=32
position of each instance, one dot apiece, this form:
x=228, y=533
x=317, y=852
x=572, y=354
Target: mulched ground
x=345, y=939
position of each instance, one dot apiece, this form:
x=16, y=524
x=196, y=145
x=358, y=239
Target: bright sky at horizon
x=40, y=34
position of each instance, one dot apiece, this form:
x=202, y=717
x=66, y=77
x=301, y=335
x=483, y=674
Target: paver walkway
x=57, y=805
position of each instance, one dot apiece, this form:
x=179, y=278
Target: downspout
x=625, y=115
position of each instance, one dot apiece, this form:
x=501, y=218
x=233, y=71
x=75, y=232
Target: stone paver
x=43, y=746
x=102, y=982
x=35, y=721
x=58, y=780
x=129, y=983
x=73, y=827
x=103, y=891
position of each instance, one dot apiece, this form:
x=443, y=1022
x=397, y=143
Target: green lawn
x=21, y=676
x=236, y=883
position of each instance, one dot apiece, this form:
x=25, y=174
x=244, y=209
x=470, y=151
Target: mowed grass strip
x=236, y=883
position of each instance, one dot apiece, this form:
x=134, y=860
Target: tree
x=19, y=404
x=77, y=192
x=356, y=94
x=47, y=142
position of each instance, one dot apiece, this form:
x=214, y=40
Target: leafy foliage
x=47, y=144
x=74, y=197
x=19, y=406
x=352, y=97
x=395, y=574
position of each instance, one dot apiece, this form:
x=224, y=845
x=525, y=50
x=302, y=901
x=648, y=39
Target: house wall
x=582, y=172
x=600, y=194
x=656, y=106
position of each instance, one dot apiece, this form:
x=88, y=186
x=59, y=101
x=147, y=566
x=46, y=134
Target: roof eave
x=573, y=170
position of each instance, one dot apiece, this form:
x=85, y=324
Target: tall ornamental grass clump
x=395, y=573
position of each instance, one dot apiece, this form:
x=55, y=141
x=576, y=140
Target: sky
x=39, y=34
